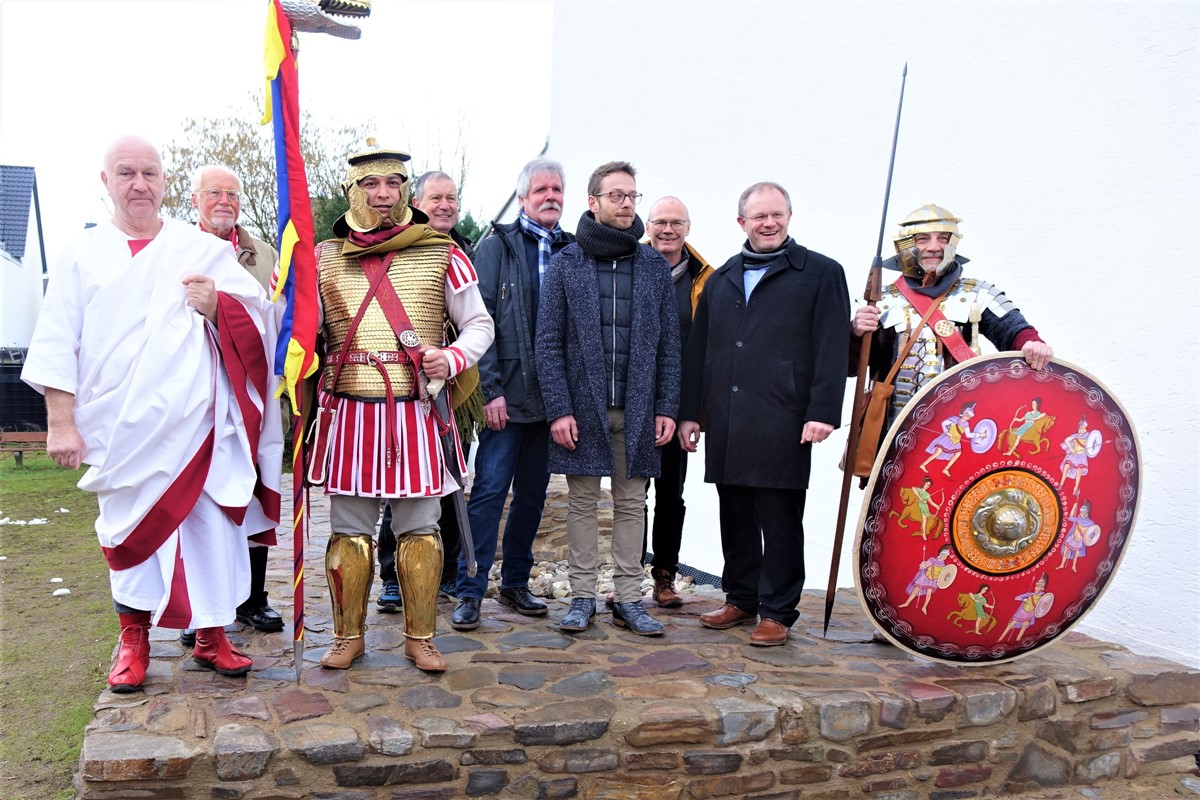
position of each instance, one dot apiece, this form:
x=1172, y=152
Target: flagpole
x=295, y=356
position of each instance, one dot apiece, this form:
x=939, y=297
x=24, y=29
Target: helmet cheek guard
x=928, y=218
x=379, y=162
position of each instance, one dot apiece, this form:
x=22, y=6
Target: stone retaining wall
x=539, y=721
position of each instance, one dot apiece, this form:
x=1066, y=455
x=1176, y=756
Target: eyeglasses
x=677, y=224
x=216, y=194
x=619, y=197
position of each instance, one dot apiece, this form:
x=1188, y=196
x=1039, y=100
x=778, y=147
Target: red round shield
x=1030, y=530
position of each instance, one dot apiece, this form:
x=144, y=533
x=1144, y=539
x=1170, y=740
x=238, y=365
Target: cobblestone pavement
x=527, y=711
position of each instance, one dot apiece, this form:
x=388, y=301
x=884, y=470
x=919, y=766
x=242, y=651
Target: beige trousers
x=583, y=529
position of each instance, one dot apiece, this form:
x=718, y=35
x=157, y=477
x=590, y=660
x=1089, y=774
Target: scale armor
x=963, y=306
x=419, y=275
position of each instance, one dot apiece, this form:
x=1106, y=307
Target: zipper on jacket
x=612, y=392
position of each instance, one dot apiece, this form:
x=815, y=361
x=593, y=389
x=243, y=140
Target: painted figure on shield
x=975, y=606
x=925, y=582
x=1075, y=464
x=1026, y=613
x=917, y=500
x=948, y=446
x=1082, y=531
x=1017, y=433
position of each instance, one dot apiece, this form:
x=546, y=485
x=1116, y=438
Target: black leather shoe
x=579, y=616
x=466, y=614
x=634, y=617
x=264, y=618
x=187, y=637
x=525, y=603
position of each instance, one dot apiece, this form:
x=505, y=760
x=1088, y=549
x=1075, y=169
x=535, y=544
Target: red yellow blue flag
x=295, y=358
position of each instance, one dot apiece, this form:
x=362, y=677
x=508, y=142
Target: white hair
x=198, y=175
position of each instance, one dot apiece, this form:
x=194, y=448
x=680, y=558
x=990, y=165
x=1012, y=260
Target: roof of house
x=16, y=193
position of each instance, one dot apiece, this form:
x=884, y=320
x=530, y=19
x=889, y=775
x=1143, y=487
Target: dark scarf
x=754, y=260
x=602, y=242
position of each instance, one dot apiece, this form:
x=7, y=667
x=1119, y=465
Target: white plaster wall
x=1064, y=134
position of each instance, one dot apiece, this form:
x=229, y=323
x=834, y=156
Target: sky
x=75, y=74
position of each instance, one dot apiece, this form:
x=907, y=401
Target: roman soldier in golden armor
x=387, y=288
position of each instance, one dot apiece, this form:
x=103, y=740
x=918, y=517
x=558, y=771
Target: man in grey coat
x=513, y=442
x=607, y=353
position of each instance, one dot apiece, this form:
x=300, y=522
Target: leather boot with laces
x=664, y=589
x=634, y=617
x=343, y=652
x=579, y=616
x=424, y=654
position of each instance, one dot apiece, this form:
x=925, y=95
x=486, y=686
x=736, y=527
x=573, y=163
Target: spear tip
x=904, y=73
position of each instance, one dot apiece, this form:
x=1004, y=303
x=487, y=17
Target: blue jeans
x=516, y=456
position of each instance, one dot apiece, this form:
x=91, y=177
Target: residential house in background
x=22, y=284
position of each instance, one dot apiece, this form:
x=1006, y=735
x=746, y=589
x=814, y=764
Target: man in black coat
x=607, y=352
x=765, y=369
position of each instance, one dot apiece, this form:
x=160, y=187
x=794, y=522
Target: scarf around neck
x=755, y=260
x=545, y=238
x=385, y=240
x=602, y=242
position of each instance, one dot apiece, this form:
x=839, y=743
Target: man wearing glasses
x=514, y=438
x=669, y=229
x=765, y=366
x=217, y=198
x=607, y=351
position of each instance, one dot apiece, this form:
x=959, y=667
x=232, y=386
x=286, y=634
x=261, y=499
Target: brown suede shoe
x=664, y=589
x=726, y=617
x=424, y=654
x=342, y=652
x=769, y=633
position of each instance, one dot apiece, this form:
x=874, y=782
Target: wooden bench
x=20, y=442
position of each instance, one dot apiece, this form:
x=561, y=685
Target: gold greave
x=350, y=569
x=419, y=567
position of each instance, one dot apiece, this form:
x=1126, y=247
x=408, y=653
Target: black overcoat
x=756, y=371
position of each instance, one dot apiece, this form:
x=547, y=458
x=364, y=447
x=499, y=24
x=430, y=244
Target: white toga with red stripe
x=358, y=463
x=179, y=421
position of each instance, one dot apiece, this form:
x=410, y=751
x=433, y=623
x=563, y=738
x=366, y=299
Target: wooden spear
x=871, y=295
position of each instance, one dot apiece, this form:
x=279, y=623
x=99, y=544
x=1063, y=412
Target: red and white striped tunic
x=360, y=462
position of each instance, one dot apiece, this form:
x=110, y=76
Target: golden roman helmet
x=929, y=218
x=378, y=161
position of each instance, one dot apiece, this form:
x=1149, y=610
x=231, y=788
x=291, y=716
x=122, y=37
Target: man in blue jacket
x=608, y=362
x=513, y=442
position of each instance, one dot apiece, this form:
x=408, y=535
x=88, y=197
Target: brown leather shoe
x=424, y=654
x=769, y=633
x=664, y=589
x=726, y=617
x=342, y=652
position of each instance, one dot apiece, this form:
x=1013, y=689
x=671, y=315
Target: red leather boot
x=214, y=651
x=133, y=653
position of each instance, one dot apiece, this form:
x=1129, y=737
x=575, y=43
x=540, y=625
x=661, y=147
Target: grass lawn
x=54, y=651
